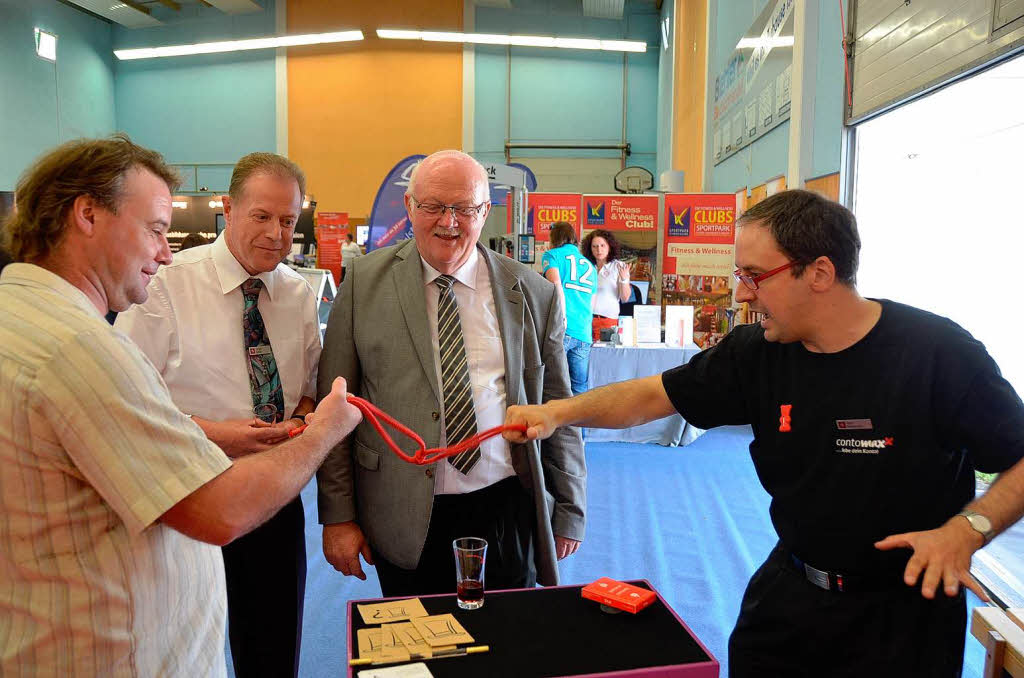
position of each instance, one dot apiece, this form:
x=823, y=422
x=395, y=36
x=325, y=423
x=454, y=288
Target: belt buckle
x=817, y=577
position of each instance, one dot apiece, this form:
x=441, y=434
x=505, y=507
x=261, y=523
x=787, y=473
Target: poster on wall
x=633, y=220
x=544, y=209
x=700, y=238
x=752, y=91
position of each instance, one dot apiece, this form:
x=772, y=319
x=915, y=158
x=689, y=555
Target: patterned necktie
x=264, y=381
x=459, y=417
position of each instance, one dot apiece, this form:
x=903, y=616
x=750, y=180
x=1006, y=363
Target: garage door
x=903, y=48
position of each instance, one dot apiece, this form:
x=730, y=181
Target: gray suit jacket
x=378, y=338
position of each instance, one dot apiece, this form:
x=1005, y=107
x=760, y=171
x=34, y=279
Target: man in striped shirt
x=112, y=502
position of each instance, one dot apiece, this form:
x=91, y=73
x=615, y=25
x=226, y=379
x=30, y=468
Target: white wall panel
x=902, y=49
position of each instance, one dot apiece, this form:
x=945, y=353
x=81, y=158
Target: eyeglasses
x=752, y=281
x=437, y=210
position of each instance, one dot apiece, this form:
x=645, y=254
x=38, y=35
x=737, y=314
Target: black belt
x=840, y=583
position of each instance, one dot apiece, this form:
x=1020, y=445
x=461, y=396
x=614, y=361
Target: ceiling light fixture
x=238, y=45
x=514, y=40
x=768, y=43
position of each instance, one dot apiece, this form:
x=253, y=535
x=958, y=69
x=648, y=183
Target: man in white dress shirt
x=192, y=329
x=442, y=334
x=113, y=501
x=349, y=251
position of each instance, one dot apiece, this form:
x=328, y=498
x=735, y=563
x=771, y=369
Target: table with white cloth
x=609, y=364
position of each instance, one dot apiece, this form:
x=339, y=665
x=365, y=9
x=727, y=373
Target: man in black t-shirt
x=869, y=419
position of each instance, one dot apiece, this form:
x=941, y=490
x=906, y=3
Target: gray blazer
x=378, y=338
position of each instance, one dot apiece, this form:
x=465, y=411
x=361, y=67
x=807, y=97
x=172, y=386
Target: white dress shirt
x=606, y=297
x=485, y=356
x=191, y=328
x=349, y=251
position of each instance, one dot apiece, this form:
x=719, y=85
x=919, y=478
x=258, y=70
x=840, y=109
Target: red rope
x=422, y=456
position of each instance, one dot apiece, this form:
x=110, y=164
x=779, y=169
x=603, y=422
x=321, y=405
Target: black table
x=556, y=632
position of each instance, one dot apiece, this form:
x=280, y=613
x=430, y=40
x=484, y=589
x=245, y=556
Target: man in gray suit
x=443, y=334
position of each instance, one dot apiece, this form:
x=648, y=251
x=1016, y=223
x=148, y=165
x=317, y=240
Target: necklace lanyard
x=422, y=456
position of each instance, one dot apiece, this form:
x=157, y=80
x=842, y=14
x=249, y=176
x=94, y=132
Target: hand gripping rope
x=422, y=456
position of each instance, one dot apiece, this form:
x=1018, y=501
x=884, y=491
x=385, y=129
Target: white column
x=801, y=115
x=281, y=79
x=468, y=80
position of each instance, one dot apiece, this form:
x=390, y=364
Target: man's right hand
x=538, y=419
x=239, y=437
x=343, y=543
x=335, y=416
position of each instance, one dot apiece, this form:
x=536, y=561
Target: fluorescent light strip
x=515, y=40
x=238, y=45
x=767, y=43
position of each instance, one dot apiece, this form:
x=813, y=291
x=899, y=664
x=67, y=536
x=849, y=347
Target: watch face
x=981, y=523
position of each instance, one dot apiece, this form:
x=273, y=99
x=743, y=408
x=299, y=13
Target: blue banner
x=388, y=221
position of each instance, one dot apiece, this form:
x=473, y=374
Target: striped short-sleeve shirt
x=92, y=453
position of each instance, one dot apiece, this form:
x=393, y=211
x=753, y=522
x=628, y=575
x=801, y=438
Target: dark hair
x=192, y=240
x=348, y=236
x=48, y=189
x=614, y=248
x=265, y=163
x=807, y=226
x=561, y=233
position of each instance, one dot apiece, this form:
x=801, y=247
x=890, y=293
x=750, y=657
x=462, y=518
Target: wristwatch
x=980, y=523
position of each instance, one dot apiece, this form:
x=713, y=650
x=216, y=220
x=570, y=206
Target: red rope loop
x=422, y=456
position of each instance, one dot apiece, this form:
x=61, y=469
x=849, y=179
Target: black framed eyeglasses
x=435, y=209
x=752, y=282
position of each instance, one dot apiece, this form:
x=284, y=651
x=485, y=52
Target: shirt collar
x=466, y=274
x=31, y=275
x=231, y=274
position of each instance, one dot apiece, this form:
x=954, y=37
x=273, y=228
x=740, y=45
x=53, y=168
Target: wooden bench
x=1002, y=634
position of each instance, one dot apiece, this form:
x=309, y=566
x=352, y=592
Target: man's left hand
x=942, y=554
x=565, y=547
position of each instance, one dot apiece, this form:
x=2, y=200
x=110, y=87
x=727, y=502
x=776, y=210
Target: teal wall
x=32, y=90
x=210, y=108
x=566, y=96
x=768, y=157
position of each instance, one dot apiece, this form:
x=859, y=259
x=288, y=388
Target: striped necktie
x=264, y=380
x=459, y=416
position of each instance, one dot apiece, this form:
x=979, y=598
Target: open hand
x=943, y=555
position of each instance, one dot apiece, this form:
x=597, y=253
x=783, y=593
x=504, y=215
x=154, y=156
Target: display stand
x=322, y=282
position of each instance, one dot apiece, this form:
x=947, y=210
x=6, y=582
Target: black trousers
x=502, y=513
x=266, y=582
x=789, y=627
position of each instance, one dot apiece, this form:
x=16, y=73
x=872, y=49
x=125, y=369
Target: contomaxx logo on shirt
x=865, y=446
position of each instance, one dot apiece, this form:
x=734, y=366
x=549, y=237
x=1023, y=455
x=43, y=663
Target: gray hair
x=448, y=155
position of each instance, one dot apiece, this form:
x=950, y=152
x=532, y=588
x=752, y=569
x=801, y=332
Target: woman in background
x=603, y=250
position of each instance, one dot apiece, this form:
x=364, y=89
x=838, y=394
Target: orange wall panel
x=356, y=109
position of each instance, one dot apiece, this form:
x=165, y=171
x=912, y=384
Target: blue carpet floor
x=692, y=520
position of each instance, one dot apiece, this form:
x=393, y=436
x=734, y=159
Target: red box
x=619, y=595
